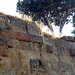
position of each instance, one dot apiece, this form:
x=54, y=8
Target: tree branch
x=64, y=20
x=58, y=15
x=49, y=25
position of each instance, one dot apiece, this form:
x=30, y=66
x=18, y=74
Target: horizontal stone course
x=68, y=38
x=17, y=48
x=21, y=36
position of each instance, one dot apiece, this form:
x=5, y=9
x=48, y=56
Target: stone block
x=73, y=45
x=2, y=42
x=49, y=48
x=18, y=24
x=9, y=43
x=64, y=67
x=46, y=56
x=44, y=73
x=65, y=58
x=72, y=49
x=31, y=46
x=72, y=52
x=13, y=73
x=73, y=73
x=68, y=38
x=54, y=58
x=24, y=45
x=55, y=66
x=2, y=24
x=37, y=65
x=34, y=55
x=5, y=66
x=33, y=29
x=36, y=47
x=55, y=73
x=72, y=58
x=6, y=34
x=18, y=29
x=15, y=58
x=43, y=49
x=21, y=36
x=37, y=39
x=22, y=73
x=15, y=43
x=3, y=51
x=33, y=73
x=6, y=42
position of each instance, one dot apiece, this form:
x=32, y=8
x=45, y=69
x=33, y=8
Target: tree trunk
x=58, y=15
x=47, y=22
x=50, y=27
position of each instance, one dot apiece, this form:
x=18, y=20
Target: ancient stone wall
x=23, y=53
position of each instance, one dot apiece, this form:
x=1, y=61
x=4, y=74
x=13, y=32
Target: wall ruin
x=23, y=53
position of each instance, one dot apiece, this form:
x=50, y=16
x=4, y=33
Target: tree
x=73, y=25
x=62, y=10
x=48, y=11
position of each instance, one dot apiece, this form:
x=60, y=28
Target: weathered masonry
x=24, y=52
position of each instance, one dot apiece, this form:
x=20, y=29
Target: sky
x=9, y=7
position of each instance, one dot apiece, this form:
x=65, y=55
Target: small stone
x=49, y=48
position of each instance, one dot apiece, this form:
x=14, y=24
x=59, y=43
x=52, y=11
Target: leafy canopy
x=48, y=11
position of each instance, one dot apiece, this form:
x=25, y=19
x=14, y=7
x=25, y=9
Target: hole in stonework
x=37, y=65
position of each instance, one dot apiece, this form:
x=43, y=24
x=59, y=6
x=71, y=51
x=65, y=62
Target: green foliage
x=56, y=11
x=42, y=64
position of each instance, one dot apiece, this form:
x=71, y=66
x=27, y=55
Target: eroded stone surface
x=17, y=48
x=21, y=36
x=3, y=51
